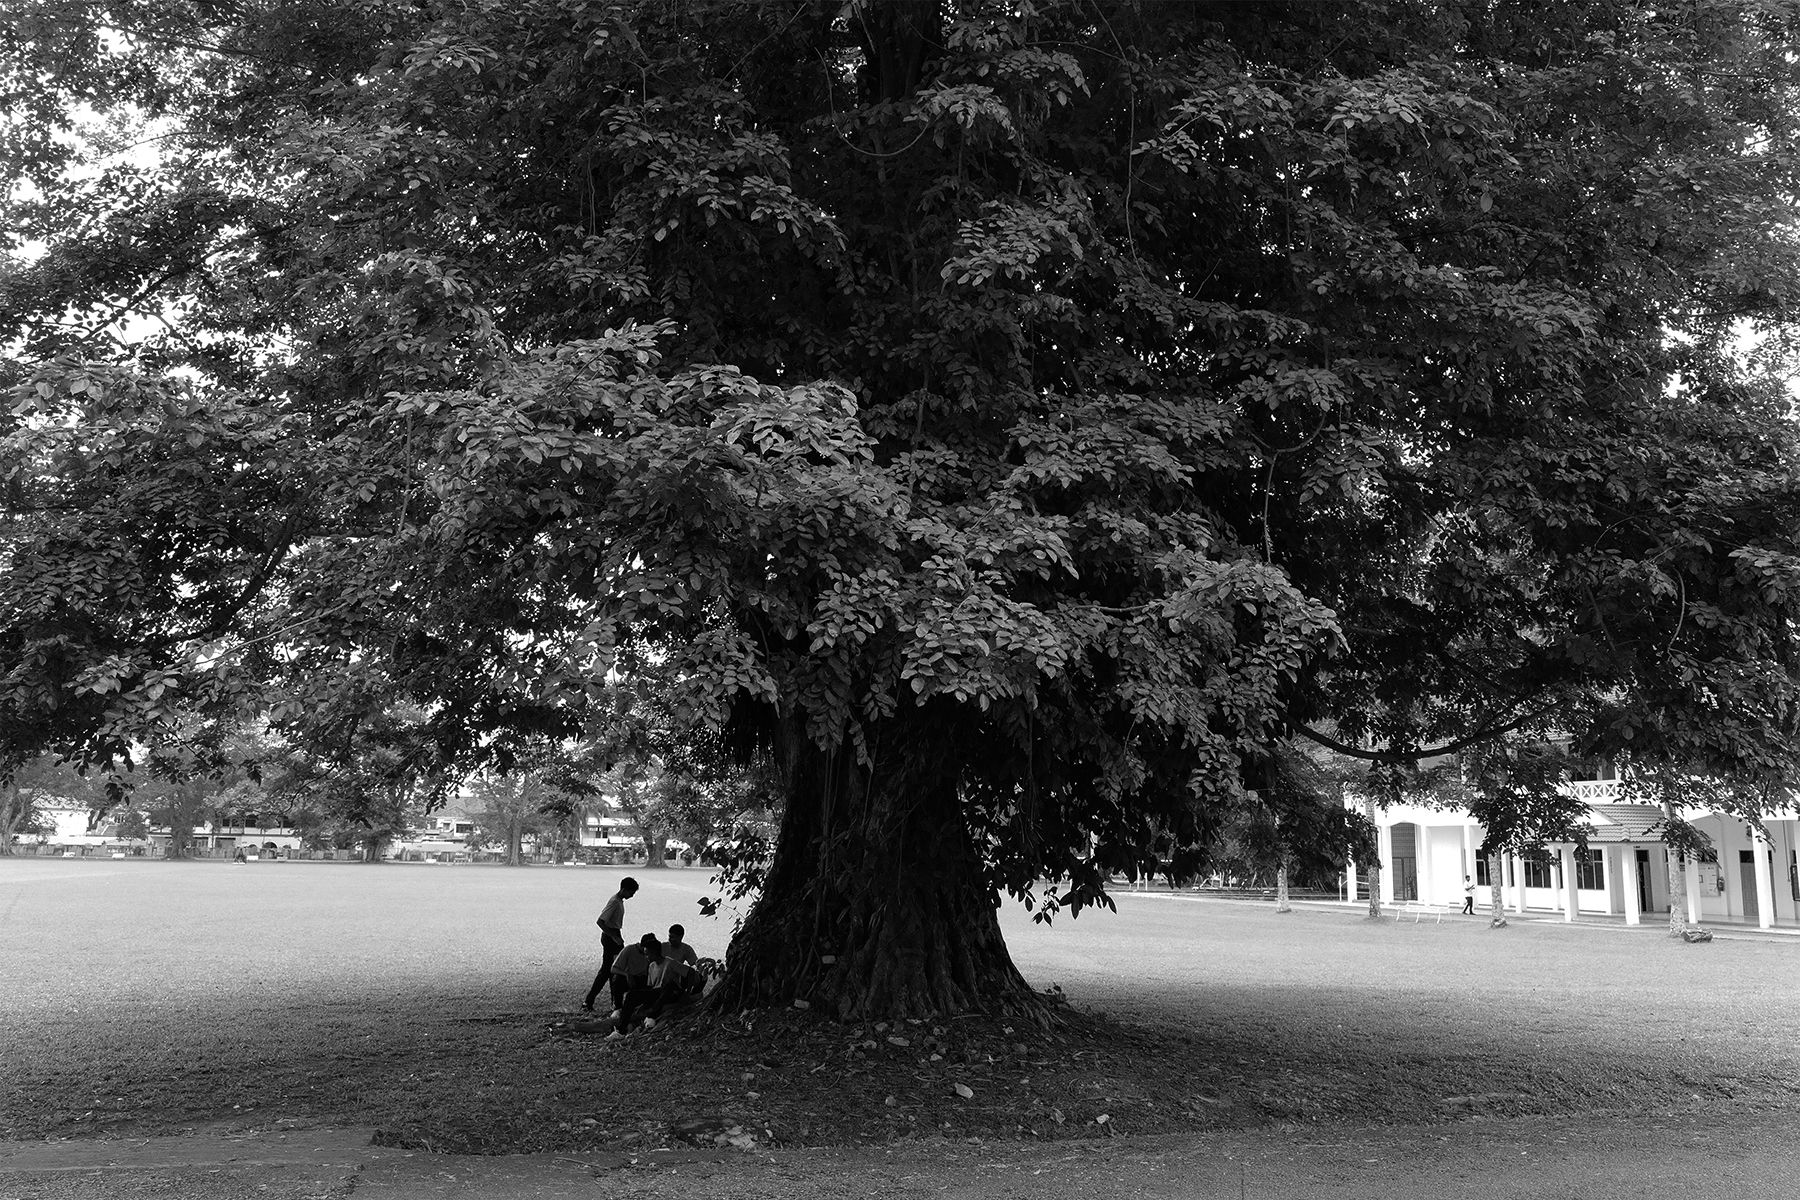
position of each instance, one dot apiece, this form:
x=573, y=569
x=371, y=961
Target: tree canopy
x=1019, y=421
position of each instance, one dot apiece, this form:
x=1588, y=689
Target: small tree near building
x=20, y=815
x=131, y=825
x=508, y=808
x=645, y=793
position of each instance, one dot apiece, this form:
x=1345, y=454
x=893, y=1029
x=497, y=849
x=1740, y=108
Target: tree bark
x=1281, y=889
x=1678, y=900
x=181, y=840
x=656, y=850
x=875, y=906
x=1678, y=905
x=899, y=37
x=1496, y=884
x=1375, y=867
x=12, y=815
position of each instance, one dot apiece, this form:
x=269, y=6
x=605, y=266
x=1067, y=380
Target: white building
x=1623, y=872
x=69, y=824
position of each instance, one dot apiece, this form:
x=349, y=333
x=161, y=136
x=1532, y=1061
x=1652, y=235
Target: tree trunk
x=1678, y=899
x=1375, y=866
x=656, y=850
x=1678, y=905
x=1281, y=892
x=1496, y=883
x=875, y=906
x=181, y=840
x=12, y=815
x=372, y=843
x=515, y=845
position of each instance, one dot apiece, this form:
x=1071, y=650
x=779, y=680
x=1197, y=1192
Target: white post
x=1350, y=880
x=1468, y=849
x=1422, y=848
x=1765, y=883
x=1692, y=868
x=1628, y=881
x=1568, y=874
x=1518, y=888
x=1384, y=842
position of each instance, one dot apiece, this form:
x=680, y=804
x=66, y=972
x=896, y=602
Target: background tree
x=1015, y=423
x=644, y=791
x=27, y=789
x=533, y=798
x=20, y=808
x=131, y=824
x=181, y=802
x=370, y=765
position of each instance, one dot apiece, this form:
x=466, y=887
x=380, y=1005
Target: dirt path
x=1599, y=1159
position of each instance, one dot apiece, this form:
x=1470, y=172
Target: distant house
x=254, y=833
x=608, y=826
x=69, y=824
x=1623, y=871
x=449, y=826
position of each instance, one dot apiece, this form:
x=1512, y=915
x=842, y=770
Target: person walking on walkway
x=1468, y=896
x=612, y=937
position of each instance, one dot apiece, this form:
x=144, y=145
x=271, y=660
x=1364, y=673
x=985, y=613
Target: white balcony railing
x=1594, y=791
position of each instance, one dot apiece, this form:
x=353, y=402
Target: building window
x=1590, y=870
x=1540, y=871
x=1481, y=872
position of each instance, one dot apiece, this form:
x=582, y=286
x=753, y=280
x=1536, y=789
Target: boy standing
x=612, y=937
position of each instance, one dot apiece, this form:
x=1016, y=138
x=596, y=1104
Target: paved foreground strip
x=1746, y=1157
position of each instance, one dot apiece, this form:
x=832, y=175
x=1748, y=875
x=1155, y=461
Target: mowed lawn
x=151, y=997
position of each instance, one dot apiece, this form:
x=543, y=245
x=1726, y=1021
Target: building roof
x=1624, y=822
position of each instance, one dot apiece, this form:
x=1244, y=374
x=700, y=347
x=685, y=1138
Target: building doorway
x=1406, y=878
x=1747, y=873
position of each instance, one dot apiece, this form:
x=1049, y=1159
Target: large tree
x=1016, y=420
x=27, y=790
x=540, y=793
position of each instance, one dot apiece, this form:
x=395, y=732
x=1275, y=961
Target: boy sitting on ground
x=673, y=980
x=631, y=972
x=681, y=975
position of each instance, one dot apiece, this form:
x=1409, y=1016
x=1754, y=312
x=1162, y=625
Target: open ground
x=148, y=999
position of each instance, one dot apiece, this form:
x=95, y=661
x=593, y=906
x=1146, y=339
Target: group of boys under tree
x=1026, y=428
x=644, y=979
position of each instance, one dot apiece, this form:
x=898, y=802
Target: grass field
x=431, y=1001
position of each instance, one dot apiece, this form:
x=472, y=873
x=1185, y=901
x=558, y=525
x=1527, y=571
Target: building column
x=1765, y=883
x=1384, y=844
x=1422, y=851
x=1691, y=866
x=1628, y=882
x=1350, y=880
x=1469, y=867
x=1517, y=864
x=1567, y=854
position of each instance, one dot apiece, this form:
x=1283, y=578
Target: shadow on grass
x=499, y=1073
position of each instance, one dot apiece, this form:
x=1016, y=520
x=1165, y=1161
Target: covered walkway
x=1621, y=873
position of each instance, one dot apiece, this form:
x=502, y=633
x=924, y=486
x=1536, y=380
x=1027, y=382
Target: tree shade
x=1019, y=420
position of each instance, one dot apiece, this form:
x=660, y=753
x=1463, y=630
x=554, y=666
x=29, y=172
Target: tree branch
x=1411, y=756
